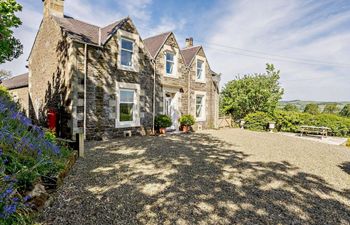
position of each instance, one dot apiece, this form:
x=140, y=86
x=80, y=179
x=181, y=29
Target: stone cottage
x=108, y=81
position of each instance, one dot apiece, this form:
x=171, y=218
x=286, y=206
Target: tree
x=291, y=108
x=311, y=108
x=252, y=93
x=10, y=47
x=345, y=111
x=331, y=108
x=4, y=74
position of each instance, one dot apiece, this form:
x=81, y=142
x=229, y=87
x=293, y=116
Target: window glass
x=126, y=52
x=169, y=63
x=199, y=106
x=200, y=69
x=126, y=105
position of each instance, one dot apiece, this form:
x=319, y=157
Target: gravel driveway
x=213, y=177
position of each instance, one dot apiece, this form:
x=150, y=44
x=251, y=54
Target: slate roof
x=189, y=53
x=153, y=44
x=16, y=82
x=85, y=32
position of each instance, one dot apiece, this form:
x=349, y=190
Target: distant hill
x=301, y=104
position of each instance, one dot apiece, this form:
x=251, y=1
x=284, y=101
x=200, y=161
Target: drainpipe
x=85, y=83
x=189, y=91
x=154, y=94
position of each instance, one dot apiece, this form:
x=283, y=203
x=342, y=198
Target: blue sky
x=309, y=41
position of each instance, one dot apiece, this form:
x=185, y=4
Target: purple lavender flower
x=10, y=209
x=27, y=198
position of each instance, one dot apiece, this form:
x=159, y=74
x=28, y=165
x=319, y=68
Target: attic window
x=127, y=49
x=169, y=58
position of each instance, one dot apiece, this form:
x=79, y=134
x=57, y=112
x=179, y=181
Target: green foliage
x=257, y=121
x=348, y=143
x=187, y=120
x=291, y=121
x=331, y=108
x=252, y=93
x=162, y=121
x=345, y=111
x=10, y=47
x=312, y=109
x=291, y=108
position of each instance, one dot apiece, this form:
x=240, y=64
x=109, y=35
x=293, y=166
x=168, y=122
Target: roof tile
x=16, y=82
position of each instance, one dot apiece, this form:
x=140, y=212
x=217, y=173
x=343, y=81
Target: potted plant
x=186, y=122
x=162, y=122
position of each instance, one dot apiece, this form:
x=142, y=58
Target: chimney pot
x=189, y=42
x=54, y=7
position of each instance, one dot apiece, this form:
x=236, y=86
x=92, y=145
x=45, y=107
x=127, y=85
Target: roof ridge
x=187, y=48
x=117, y=21
x=70, y=17
x=168, y=32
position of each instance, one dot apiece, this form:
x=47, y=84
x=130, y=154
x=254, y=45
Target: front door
x=171, y=104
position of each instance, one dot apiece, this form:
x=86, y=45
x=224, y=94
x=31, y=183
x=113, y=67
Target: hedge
x=291, y=121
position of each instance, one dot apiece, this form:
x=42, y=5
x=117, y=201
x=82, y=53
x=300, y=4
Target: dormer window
x=127, y=50
x=200, y=71
x=170, y=63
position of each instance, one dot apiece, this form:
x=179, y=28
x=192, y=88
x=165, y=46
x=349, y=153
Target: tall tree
x=345, y=111
x=252, y=93
x=331, y=108
x=10, y=47
x=312, y=108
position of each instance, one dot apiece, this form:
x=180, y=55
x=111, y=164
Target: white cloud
x=281, y=28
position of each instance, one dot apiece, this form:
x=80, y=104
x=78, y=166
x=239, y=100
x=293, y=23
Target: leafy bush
x=345, y=111
x=258, y=121
x=312, y=109
x=162, y=121
x=187, y=120
x=348, y=143
x=331, y=108
x=291, y=121
x=291, y=108
x=27, y=153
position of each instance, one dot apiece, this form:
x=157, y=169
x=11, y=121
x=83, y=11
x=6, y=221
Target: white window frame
x=123, y=49
x=136, y=108
x=203, y=78
x=204, y=103
x=174, y=74
x=135, y=38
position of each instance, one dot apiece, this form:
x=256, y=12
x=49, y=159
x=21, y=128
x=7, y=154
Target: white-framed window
x=126, y=52
x=170, y=64
x=200, y=106
x=128, y=95
x=200, y=72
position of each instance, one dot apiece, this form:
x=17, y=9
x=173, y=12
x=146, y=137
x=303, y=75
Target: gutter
x=85, y=82
x=154, y=95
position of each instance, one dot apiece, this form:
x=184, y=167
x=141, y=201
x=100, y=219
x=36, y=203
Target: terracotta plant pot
x=185, y=128
x=162, y=130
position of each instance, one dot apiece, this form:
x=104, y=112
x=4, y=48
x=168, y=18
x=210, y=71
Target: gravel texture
x=228, y=176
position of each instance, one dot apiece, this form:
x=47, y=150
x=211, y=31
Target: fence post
x=81, y=145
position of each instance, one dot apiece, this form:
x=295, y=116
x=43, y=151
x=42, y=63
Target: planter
x=162, y=130
x=185, y=128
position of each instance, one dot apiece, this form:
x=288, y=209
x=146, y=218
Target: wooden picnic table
x=323, y=131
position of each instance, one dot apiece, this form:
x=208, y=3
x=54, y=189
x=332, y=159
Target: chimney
x=189, y=42
x=54, y=7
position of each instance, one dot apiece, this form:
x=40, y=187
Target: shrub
x=312, y=109
x=345, y=111
x=257, y=121
x=26, y=155
x=348, y=143
x=162, y=121
x=187, y=120
x=291, y=108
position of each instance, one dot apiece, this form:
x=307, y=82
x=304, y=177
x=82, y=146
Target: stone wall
x=50, y=76
x=21, y=95
x=103, y=76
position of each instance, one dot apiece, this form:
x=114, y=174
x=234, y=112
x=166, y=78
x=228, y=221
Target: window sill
x=127, y=68
x=171, y=76
x=200, y=81
x=127, y=124
x=200, y=119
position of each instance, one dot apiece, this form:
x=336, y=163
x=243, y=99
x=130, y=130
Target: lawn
x=212, y=177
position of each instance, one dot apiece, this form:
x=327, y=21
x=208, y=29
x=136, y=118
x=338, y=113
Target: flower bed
x=27, y=156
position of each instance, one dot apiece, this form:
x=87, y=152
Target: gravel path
x=228, y=176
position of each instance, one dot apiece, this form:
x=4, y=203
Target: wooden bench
x=323, y=131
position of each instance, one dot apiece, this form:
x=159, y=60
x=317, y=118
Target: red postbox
x=51, y=119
